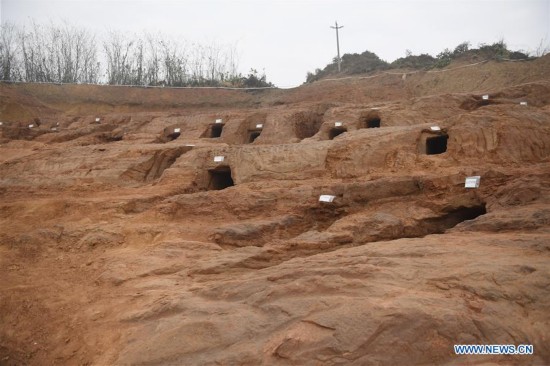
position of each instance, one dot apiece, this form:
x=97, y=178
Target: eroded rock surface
x=118, y=245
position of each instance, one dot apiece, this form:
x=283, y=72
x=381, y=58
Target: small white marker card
x=326, y=198
x=522, y=103
x=485, y=97
x=472, y=182
x=177, y=130
x=219, y=159
x=219, y=120
x=190, y=145
x=338, y=124
x=259, y=126
x=435, y=128
x=1, y=123
x=31, y=126
x=97, y=119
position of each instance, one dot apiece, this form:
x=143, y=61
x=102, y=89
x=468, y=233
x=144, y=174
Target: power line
x=338, y=44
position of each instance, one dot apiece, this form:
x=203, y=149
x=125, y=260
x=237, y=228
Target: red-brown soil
x=115, y=249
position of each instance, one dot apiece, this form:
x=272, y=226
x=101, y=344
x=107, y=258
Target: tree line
x=65, y=53
x=369, y=62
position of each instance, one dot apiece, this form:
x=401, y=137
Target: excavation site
x=375, y=220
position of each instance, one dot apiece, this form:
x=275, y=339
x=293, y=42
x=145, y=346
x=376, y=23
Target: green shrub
x=368, y=62
x=423, y=61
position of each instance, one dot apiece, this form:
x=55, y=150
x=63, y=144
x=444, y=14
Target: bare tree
x=174, y=63
x=542, y=49
x=118, y=50
x=69, y=54
x=153, y=60
x=138, y=72
x=9, y=49
x=58, y=54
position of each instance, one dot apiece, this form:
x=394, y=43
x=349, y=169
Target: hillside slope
x=156, y=235
x=24, y=102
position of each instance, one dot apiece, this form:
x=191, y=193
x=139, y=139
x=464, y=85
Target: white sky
x=288, y=38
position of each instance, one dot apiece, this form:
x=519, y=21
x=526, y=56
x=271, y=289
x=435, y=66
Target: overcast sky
x=288, y=38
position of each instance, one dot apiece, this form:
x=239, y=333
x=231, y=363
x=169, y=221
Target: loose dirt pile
x=160, y=226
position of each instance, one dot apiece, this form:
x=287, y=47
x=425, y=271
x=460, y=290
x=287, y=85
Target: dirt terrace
x=128, y=240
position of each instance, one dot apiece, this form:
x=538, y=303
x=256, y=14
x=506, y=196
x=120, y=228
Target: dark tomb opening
x=469, y=213
x=307, y=124
x=335, y=132
x=445, y=221
x=454, y=217
x=253, y=135
x=174, y=135
x=372, y=123
x=436, y=144
x=220, y=178
x=216, y=130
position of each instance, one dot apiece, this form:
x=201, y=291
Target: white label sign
x=97, y=119
x=472, y=182
x=338, y=124
x=31, y=126
x=485, y=97
x=219, y=120
x=1, y=123
x=259, y=126
x=435, y=128
x=522, y=103
x=326, y=198
x=190, y=145
x=177, y=130
x=219, y=159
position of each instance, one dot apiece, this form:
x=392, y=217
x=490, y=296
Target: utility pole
x=338, y=43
